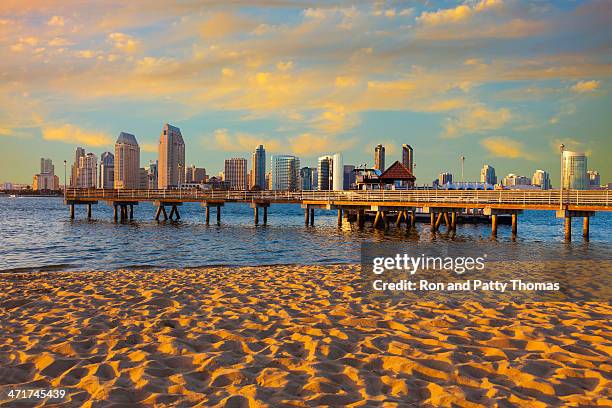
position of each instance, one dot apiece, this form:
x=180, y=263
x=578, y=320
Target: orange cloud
x=477, y=119
x=309, y=144
x=74, y=135
x=223, y=24
x=500, y=146
x=124, y=42
x=586, y=86
x=243, y=142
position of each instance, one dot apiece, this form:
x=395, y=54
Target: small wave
x=42, y=268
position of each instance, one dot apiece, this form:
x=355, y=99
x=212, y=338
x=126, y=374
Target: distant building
x=513, y=180
x=379, y=157
x=171, y=149
x=152, y=175
x=408, y=157
x=258, y=169
x=127, y=162
x=235, y=173
x=195, y=174
x=87, y=171
x=445, y=178
x=46, y=179
x=80, y=152
x=106, y=177
x=308, y=179
x=285, y=172
x=349, y=177
x=541, y=179
x=594, y=179
x=487, y=175
x=575, y=171
x=330, y=172
x=143, y=178
x=46, y=166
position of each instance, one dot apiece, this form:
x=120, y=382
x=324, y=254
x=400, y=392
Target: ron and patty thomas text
x=459, y=265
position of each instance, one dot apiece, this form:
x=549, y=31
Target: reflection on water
x=36, y=233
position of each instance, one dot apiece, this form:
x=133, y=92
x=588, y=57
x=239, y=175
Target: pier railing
x=526, y=198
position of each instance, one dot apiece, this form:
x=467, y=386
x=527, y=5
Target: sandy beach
x=290, y=336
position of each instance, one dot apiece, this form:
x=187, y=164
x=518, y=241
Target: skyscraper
x=46, y=166
x=575, y=171
x=349, y=176
x=107, y=171
x=285, y=172
x=379, y=157
x=308, y=179
x=408, y=157
x=331, y=172
x=541, y=179
x=594, y=179
x=235, y=173
x=74, y=176
x=512, y=180
x=195, y=174
x=152, y=175
x=445, y=178
x=127, y=161
x=258, y=162
x=171, y=168
x=87, y=171
x=487, y=175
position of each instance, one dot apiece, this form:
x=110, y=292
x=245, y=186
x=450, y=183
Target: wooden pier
x=443, y=206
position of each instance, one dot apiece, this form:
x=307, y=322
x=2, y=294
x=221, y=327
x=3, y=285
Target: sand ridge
x=290, y=336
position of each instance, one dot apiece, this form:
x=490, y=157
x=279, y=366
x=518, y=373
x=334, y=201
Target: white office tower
x=575, y=171
x=338, y=172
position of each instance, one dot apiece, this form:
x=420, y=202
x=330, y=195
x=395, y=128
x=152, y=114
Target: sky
x=500, y=82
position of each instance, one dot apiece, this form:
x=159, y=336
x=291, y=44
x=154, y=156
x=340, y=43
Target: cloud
x=460, y=13
x=56, y=21
x=243, y=142
x=284, y=65
x=124, y=42
x=72, y=134
x=59, y=42
x=224, y=24
x=586, y=86
x=149, y=147
x=476, y=120
x=501, y=146
x=309, y=144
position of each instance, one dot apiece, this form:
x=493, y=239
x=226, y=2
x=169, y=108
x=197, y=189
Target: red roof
x=397, y=171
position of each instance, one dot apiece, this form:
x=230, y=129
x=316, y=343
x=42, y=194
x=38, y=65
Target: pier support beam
x=115, y=212
x=568, y=215
x=256, y=215
x=494, y=225
x=217, y=204
x=432, y=221
x=131, y=211
x=412, y=219
x=265, y=216
x=72, y=211
x=306, y=216
x=207, y=216
x=339, y=217
x=219, y=215
x=514, y=225
x=312, y=214
x=89, y=211
x=438, y=222
x=454, y=221
x=360, y=218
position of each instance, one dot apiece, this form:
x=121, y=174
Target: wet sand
x=290, y=336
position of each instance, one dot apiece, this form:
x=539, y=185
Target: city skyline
x=234, y=77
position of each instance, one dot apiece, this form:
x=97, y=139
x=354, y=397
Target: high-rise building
x=285, y=172
x=330, y=172
x=87, y=171
x=171, y=170
x=235, y=173
x=80, y=152
x=575, y=171
x=106, y=177
x=541, y=179
x=46, y=166
x=127, y=162
x=258, y=170
x=143, y=178
x=445, y=178
x=46, y=179
x=487, y=175
x=408, y=157
x=350, y=177
x=195, y=174
x=594, y=179
x=308, y=179
x=152, y=175
x=379, y=157
x=512, y=180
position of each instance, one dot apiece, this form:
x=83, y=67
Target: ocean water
x=37, y=234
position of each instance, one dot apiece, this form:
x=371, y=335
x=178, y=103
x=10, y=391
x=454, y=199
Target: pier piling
x=72, y=211
x=514, y=225
x=494, y=225
x=207, y=216
x=218, y=215
x=115, y=212
x=312, y=215
x=256, y=215
x=339, y=217
x=432, y=221
x=265, y=216
x=306, y=216
x=454, y=221
x=131, y=211
x=89, y=211
x=568, y=228
x=585, y=229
